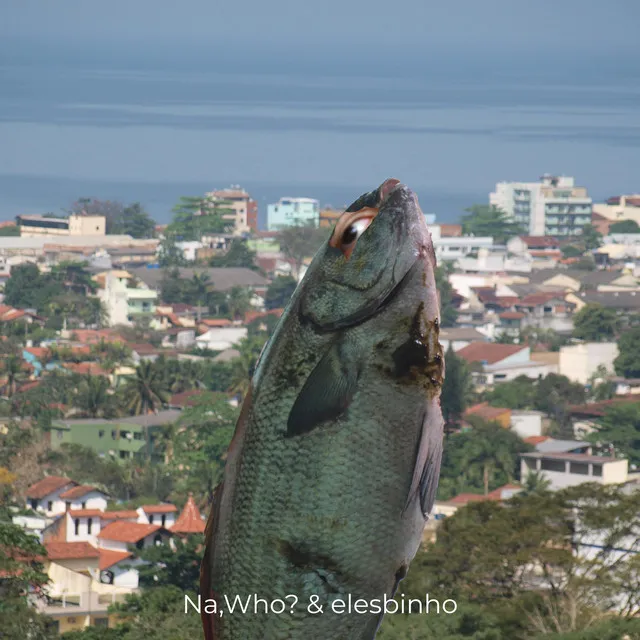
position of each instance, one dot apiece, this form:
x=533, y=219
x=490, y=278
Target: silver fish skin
x=335, y=461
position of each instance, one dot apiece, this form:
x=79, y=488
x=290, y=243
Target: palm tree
x=12, y=369
x=93, y=397
x=536, y=482
x=200, y=287
x=239, y=301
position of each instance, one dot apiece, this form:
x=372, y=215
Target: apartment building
x=291, y=211
x=74, y=225
x=555, y=206
x=245, y=208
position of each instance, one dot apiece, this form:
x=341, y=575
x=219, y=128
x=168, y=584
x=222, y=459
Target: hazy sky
x=355, y=29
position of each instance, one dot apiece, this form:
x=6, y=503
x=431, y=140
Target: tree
x=10, y=230
x=456, y=388
x=196, y=216
x=595, y=323
x=135, y=222
x=238, y=255
x=13, y=370
x=279, y=292
x=93, y=397
x=27, y=288
x=300, y=241
x=627, y=363
x=448, y=313
x=620, y=429
x=519, y=393
x=536, y=482
x=21, y=572
x=198, y=290
x=591, y=237
x=172, y=287
x=489, y=221
x=624, y=226
x=145, y=391
x=111, y=210
x=571, y=251
x=169, y=254
x=239, y=301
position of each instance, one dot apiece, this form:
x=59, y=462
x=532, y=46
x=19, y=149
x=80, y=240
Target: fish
x=334, y=464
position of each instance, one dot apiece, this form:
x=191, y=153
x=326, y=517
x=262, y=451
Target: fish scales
x=337, y=452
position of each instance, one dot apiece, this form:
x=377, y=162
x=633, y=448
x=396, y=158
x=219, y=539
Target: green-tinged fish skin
x=336, y=456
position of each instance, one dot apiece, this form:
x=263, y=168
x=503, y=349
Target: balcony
x=78, y=604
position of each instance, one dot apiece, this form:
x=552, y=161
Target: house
x=536, y=247
x=44, y=495
x=178, y=338
x=490, y=414
x=526, y=423
x=85, y=496
x=501, y=362
x=190, y=521
x=621, y=301
x=459, y=337
x=123, y=302
x=570, y=469
x=221, y=338
x=162, y=514
x=585, y=417
x=117, y=535
x=580, y=361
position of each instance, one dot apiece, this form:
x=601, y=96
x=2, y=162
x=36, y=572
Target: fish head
x=378, y=242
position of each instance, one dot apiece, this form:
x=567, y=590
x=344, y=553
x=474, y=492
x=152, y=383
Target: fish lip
x=370, y=310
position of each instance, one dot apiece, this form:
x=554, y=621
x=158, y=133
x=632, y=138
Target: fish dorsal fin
x=327, y=392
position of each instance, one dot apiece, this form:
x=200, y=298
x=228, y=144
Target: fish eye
x=349, y=228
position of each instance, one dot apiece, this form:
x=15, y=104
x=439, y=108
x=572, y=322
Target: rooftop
x=78, y=492
x=85, y=513
x=489, y=352
x=129, y=532
x=486, y=412
x=159, y=508
x=190, y=520
x=108, y=558
x=120, y=515
x=47, y=486
x=575, y=457
x=220, y=279
x=70, y=550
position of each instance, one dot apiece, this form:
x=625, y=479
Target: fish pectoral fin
x=327, y=392
x=426, y=471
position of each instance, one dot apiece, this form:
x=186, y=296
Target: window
x=76, y=524
x=553, y=465
x=49, y=505
x=34, y=504
x=151, y=519
x=579, y=467
x=140, y=544
x=84, y=505
x=89, y=525
x=113, y=434
x=124, y=455
x=101, y=622
x=157, y=540
x=138, y=435
x=101, y=433
x=597, y=470
x=164, y=519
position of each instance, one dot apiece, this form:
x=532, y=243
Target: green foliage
x=10, y=231
x=627, y=363
x=479, y=460
x=484, y=220
x=620, y=427
x=457, y=388
x=595, y=323
x=571, y=251
x=168, y=567
x=169, y=254
x=301, y=241
x=238, y=255
x=591, y=238
x=624, y=226
x=612, y=628
x=448, y=313
x=131, y=220
x=27, y=288
x=279, y=292
x=200, y=441
x=586, y=263
x=194, y=217
x=146, y=390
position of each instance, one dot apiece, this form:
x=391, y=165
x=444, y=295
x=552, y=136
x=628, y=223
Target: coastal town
x=126, y=350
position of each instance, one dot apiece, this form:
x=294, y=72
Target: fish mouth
x=375, y=307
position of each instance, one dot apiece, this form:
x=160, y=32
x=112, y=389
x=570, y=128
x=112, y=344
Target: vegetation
x=489, y=221
x=448, y=312
x=238, y=255
x=627, y=364
x=131, y=220
x=595, y=323
x=279, y=292
x=591, y=238
x=457, y=388
x=624, y=226
x=301, y=241
x=194, y=217
x=619, y=431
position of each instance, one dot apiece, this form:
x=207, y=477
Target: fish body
x=334, y=464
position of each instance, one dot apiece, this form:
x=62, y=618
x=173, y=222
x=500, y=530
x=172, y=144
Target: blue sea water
x=151, y=133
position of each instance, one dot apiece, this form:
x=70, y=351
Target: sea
x=151, y=131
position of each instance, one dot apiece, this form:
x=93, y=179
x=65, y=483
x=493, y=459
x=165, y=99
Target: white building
x=45, y=495
x=555, y=206
x=526, y=423
x=124, y=303
x=620, y=208
x=162, y=514
x=580, y=361
x=221, y=338
x=570, y=469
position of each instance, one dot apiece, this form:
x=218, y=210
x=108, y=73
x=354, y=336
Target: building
x=555, y=206
x=526, y=424
x=190, y=520
x=44, y=495
x=570, y=469
x=459, y=337
x=123, y=303
x=221, y=338
x=328, y=217
x=292, y=211
x=580, y=361
x=619, y=208
x=120, y=439
x=245, y=209
x=74, y=225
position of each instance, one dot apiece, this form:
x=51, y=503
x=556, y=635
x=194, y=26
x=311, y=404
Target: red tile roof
x=186, y=398
x=38, y=352
x=511, y=315
x=48, y=485
x=85, y=513
x=159, y=508
x=486, y=412
x=93, y=336
x=70, y=550
x=215, y=322
x=108, y=558
x=190, y=520
x=250, y=316
x=130, y=532
x=86, y=368
x=540, y=241
x=598, y=409
x=496, y=494
x=78, y=492
x=534, y=299
x=131, y=514
x=143, y=348
x=464, y=498
x=450, y=230
x=534, y=440
x=489, y=352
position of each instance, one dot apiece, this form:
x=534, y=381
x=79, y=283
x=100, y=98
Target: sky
x=346, y=31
